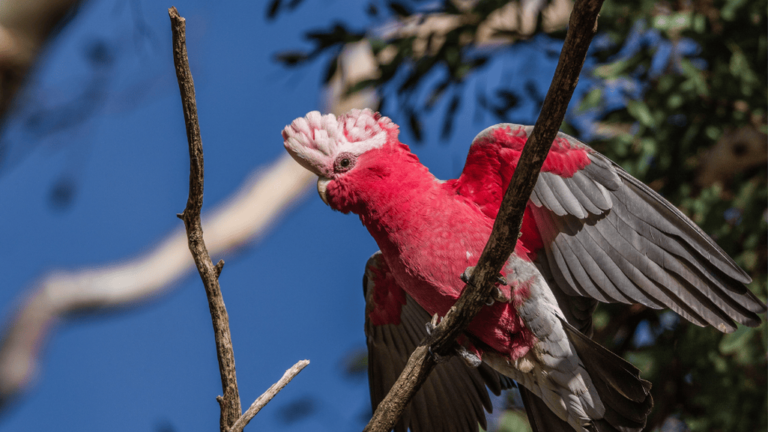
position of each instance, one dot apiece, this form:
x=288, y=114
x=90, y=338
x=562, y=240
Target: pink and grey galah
x=591, y=233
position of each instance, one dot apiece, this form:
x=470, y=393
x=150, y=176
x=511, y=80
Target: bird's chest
x=428, y=255
x=429, y=251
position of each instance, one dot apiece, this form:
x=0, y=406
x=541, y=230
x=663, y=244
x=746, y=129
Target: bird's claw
x=438, y=358
x=467, y=275
x=498, y=295
x=432, y=324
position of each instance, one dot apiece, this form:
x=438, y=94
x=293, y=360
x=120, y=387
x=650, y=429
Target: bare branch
x=230, y=401
x=582, y=27
x=264, y=399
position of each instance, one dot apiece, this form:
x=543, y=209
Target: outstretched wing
x=607, y=236
x=454, y=397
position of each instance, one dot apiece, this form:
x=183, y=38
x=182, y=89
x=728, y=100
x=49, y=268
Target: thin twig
x=230, y=401
x=582, y=27
x=264, y=399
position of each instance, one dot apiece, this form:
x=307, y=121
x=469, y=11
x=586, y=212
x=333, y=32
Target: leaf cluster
x=407, y=57
x=701, y=70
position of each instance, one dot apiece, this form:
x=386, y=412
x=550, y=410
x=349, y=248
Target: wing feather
x=564, y=195
x=594, y=193
x=599, y=281
x=609, y=237
x=548, y=198
x=454, y=397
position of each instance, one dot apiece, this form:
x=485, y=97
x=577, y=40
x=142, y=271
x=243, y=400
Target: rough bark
x=267, y=396
x=209, y=273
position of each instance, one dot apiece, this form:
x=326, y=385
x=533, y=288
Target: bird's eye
x=344, y=162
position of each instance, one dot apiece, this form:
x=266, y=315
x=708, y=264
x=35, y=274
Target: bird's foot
x=467, y=275
x=498, y=295
x=438, y=358
x=432, y=324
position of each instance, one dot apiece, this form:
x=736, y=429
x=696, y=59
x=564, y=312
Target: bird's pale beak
x=322, y=185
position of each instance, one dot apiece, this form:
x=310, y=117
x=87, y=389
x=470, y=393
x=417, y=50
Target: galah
x=591, y=233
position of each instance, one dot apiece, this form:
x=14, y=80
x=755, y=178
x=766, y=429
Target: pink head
x=330, y=147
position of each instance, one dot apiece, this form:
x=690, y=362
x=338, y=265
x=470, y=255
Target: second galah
x=591, y=233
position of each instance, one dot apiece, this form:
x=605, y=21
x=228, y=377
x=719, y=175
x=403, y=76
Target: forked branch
x=264, y=399
x=232, y=418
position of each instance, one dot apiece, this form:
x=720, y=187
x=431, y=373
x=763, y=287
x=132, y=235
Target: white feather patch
x=315, y=140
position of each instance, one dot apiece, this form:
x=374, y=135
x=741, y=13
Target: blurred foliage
x=407, y=56
x=669, y=82
x=702, y=71
x=513, y=421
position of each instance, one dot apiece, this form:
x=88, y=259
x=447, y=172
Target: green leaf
x=674, y=101
x=640, y=111
x=699, y=23
x=643, y=361
x=673, y=23
x=514, y=421
x=736, y=340
x=610, y=70
x=728, y=12
x=592, y=99
x=696, y=80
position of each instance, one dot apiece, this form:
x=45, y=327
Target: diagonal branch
x=230, y=401
x=264, y=399
x=582, y=27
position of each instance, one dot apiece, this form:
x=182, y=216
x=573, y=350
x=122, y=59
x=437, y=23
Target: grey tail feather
x=626, y=396
x=541, y=418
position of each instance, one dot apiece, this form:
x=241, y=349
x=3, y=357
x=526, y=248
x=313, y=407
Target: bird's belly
x=427, y=259
x=497, y=326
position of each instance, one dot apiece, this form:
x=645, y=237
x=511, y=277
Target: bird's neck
x=403, y=203
x=421, y=224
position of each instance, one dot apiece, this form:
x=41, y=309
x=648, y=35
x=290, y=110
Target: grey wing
x=571, y=382
x=454, y=397
x=609, y=237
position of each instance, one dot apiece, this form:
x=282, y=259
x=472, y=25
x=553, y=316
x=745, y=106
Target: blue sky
x=107, y=119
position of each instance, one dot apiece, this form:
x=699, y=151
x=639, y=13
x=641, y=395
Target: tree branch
x=582, y=27
x=264, y=399
x=230, y=401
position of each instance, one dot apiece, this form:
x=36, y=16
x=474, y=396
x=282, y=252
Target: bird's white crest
x=315, y=140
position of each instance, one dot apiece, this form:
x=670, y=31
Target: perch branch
x=582, y=27
x=264, y=399
x=209, y=273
